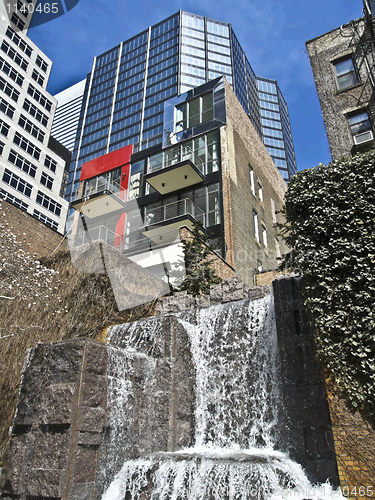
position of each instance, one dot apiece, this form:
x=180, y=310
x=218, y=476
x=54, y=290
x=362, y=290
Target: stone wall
x=308, y=432
x=38, y=238
x=85, y=407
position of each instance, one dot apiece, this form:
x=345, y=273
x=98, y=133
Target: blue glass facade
x=276, y=131
x=125, y=92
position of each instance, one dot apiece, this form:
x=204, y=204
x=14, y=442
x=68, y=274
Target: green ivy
x=330, y=224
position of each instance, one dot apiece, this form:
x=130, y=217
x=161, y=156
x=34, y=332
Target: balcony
x=171, y=217
x=98, y=198
x=100, y=233
x=175, y=169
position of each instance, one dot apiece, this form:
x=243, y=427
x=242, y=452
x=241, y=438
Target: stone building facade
x=343, y=61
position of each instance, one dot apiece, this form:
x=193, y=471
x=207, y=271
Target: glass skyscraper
x=124, y=96
x=276, y=131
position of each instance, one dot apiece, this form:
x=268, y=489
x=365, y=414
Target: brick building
x=211, y=166
x=343, y=66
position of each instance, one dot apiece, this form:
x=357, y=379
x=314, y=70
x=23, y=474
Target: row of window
x=25, y=47
x=23, y=187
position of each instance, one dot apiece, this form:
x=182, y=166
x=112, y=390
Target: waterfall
x=234, y=453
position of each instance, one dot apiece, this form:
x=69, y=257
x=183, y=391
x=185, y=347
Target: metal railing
x=172, y=157
x=172, y=210
x=100, y=233
x=100, y=187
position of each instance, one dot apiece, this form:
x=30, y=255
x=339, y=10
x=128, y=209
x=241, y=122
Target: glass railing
x=100, y=233
x=172, y=210
x=172, y=157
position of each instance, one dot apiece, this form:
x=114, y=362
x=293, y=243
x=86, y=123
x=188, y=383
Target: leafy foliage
x=330, y=223
x=198, y=250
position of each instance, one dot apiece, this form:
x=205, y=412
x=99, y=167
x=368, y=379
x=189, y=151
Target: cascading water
x=237, y=404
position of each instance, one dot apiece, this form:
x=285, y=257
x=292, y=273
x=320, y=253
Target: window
x=2, y=145
x=26, y=145
x=9, y=89
x=17, y=183
x=14, y=55
x=42, y=64
x=345, y=73
x=21, y=163
x=359, y=122
x=48, y=203
x=12, y=73
x=37, y=77
x=17, y=21
x=135, y=181
x=39, y=97
x=260, y=191
x=193, y=112
x=46, y=220
x=256, y=228
x=50, y=163
x=4, y=128
x=31, y=128
x=12, y=35
x=46, y=180
x=6, y=108
x=35, y=112
x=252, y=182
x=264, y=234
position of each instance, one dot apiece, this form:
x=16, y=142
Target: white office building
x=32, y=163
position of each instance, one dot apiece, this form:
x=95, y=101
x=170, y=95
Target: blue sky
x=272, y=33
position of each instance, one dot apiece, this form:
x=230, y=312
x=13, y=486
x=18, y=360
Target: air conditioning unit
x=364, y=137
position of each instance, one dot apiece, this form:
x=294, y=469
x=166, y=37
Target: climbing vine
x=330, y=223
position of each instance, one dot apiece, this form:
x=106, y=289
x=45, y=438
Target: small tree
x=198, y=252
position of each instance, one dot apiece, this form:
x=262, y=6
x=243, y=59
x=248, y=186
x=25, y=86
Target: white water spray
x=234, y=350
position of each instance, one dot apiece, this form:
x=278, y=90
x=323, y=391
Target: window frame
x=354, y=71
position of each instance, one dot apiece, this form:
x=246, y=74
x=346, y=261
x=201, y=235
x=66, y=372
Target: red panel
x=120, y=231
x=106, y=163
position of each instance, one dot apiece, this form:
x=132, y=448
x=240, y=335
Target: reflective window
x=219, y=58
x=193, y=71
x=135, y=180
x=191, y=41
x=217, y=29
x=268, y=141
x=192, y=33
x=268, y=97
x=217, y=39
x=359, y=122
x=193, y=22
x=193, y=61
x=267, y=86
x=346, y=73
x=276, y=152
x=193, y=112
x=219, y=48
x=220, y=68
x=269, y=105
x=271, y=123
x=270, y=114
x=273, y=133
x=190, y=80
x=193, y=51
